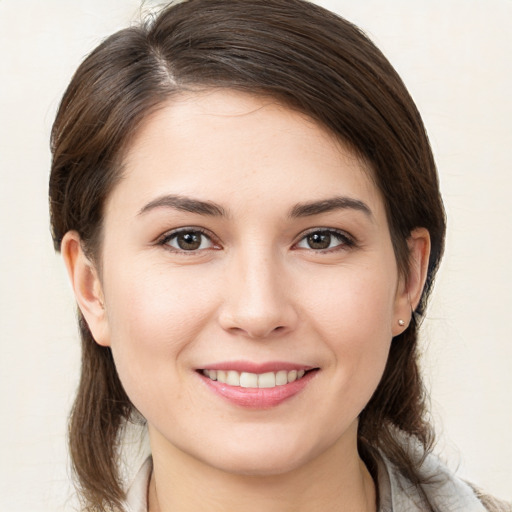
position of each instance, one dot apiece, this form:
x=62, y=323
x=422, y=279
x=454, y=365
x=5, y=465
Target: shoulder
x=440, y=489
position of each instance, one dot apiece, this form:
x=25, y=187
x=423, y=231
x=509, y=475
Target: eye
x=188, y=240
x=324, y=239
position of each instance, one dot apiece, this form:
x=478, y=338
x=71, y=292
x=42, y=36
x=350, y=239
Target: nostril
x=258, y=320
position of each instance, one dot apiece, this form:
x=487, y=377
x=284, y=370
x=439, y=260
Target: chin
x=260, y=465
x=265, y=458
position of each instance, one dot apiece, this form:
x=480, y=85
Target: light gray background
x=455, y=57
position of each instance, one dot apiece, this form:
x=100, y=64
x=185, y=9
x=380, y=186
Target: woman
x=246, y=201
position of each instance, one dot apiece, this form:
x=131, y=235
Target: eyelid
x=168, y=235
x=349, y=240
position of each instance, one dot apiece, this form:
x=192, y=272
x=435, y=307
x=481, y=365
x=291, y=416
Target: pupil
x=319, y=240
x=189, y=241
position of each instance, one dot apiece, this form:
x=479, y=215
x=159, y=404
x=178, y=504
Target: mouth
x=265, y=380
x=262, y=389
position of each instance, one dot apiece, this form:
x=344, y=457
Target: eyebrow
x=185, y=204
x=329, y=205
x=188, y=204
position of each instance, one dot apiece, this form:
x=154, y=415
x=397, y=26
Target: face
x=245, y=244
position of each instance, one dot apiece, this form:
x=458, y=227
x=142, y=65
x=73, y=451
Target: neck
x=334, y=481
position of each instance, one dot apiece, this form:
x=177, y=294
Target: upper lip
x=252, y=367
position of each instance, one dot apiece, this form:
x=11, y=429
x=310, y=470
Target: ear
x=86, y=286
x=410, y=287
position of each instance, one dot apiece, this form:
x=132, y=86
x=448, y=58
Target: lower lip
x=258, y=398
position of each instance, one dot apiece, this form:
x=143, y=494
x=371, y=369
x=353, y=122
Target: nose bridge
x=256, y=299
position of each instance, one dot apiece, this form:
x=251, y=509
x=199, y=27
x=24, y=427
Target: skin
x=254, y=290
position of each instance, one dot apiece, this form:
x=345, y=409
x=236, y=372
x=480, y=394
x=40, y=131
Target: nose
x=257, y=298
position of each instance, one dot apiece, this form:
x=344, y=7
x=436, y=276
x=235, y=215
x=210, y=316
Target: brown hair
x=312, y=61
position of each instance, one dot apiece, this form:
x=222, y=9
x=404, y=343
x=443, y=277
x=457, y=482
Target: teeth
x=233, y=378
x=248, y=380
x=281, y=378
x=254, y=380
x=267, y=380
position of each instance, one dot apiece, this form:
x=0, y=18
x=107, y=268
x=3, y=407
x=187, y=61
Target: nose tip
x=258, y=317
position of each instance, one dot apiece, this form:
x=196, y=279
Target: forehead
x=228, y=145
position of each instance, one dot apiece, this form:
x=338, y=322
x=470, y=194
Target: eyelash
x=164, y=241
x=346, y=241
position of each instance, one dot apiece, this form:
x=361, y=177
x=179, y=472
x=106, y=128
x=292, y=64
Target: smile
x=254, y=380
x=266, y=386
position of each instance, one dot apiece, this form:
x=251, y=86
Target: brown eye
x=189, y=241
x=325, y=239
x=319, y=240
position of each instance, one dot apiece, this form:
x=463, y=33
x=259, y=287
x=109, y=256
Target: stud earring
x=401, y=323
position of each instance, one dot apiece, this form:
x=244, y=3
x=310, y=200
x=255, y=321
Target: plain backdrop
x=455, y=58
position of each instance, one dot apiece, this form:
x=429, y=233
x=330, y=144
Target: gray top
x=445, y=491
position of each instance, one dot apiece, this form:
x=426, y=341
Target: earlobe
x=411, y=287
x=86, y=286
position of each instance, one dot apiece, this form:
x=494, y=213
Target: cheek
x=354, y=316
x=150, y=303
x=154, y=318
x=353, y=303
